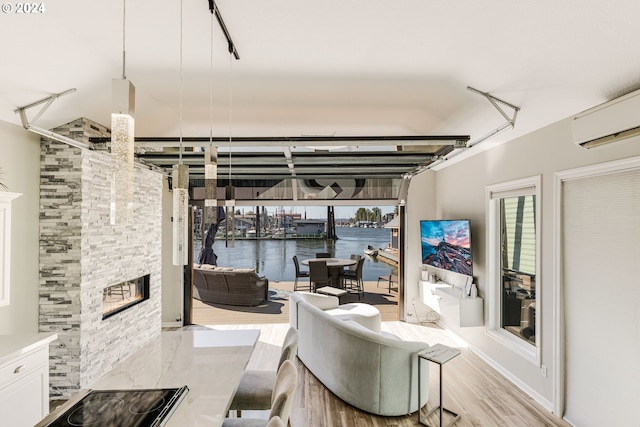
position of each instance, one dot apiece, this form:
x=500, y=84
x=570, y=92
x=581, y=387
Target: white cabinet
x=450, y=303
x=5, y=244
x=24, y=378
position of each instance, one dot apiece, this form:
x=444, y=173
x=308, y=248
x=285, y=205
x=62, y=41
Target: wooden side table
x=439, y=354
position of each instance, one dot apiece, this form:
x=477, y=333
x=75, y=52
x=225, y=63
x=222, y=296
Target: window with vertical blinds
x=601, y=295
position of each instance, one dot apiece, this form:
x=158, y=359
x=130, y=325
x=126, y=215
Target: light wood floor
x=471, y=387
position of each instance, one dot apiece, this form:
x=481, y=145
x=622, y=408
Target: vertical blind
x=601, y=285
x=519, y=234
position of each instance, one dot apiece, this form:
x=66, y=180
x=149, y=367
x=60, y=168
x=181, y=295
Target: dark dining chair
x=390, y=279
x=319, y=274
x=323, y=255
x=353, y=267
x=350, y=271
x=353, y=279
x=299, y=273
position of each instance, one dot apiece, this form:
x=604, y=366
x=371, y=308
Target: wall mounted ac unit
x=612, y=121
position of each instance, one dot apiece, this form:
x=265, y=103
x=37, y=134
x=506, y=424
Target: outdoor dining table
x=335, y=266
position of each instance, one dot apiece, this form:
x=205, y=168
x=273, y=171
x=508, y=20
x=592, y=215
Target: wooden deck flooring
x=276, y=310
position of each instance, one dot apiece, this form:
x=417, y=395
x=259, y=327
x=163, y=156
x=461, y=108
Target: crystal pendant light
x=210, y=185
x=180, y=178
x=122, y=141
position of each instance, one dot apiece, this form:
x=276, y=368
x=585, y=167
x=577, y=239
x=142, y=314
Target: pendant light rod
x=230, y=110
x=215, y=11
x=124, y=29
x=211, y=84
x=181, y=77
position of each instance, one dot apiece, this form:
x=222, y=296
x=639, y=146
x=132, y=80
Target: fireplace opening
x=119, y=297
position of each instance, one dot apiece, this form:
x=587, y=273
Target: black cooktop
x=122, y=408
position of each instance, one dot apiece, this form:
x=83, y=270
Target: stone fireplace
x=82, y=254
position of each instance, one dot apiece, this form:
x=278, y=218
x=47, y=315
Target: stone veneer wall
x=81, y=253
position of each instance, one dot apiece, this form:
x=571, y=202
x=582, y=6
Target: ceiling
x=328, y=69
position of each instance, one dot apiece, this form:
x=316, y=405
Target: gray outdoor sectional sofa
x=229, y=286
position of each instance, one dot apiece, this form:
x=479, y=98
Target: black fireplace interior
x=120, y=296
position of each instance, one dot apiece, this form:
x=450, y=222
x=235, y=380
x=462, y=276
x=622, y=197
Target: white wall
x=20, y=162
x=420, y=205
x=460, y=193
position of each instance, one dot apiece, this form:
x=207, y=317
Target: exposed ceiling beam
x=299, y=159
x=457, y=141
x=287, y=176
x=266, y=171
x=288, y=165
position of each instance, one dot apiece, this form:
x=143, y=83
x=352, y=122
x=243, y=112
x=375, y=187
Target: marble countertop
x=209, y=362
x=12, y=346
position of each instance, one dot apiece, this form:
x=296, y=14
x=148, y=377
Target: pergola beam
x=457, y=141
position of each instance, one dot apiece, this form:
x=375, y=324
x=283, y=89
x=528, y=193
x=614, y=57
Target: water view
x=273, y=258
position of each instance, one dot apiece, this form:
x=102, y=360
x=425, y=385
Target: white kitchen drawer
x=25, y=402
x=24, y=378
x=22, y=366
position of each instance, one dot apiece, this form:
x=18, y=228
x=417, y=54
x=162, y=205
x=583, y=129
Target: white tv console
x=451, y=303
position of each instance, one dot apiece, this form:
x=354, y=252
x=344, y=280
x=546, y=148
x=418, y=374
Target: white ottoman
x=364, y=314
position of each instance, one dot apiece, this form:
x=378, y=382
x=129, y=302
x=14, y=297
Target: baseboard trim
x=546, y=404
x=172, y=324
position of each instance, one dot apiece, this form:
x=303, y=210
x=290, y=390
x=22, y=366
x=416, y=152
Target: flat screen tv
x=446, y=244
